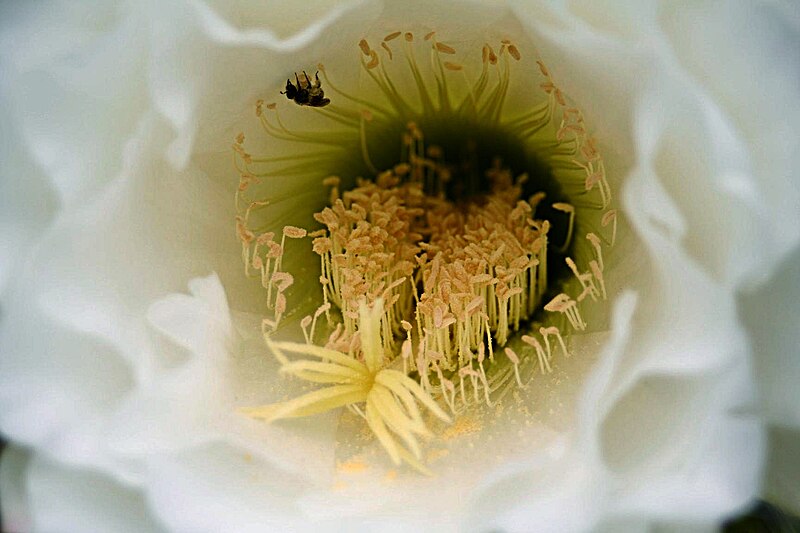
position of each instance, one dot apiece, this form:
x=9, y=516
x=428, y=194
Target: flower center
x=462, y=261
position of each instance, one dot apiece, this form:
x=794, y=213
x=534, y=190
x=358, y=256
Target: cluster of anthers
x=420, y=292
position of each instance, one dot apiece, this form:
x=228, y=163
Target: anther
x=610, y=217
x=444, y=48
x=373, y=60
x=294, y=232
x=388, y=50
x=569, y=210
x=491, y=55
x=543, y=69
x=514, y=358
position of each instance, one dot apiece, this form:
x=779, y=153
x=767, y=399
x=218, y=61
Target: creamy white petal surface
x=130, y=335
x=95, y=503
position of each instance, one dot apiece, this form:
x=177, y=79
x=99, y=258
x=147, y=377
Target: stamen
x=360, y=101
x=544, y=363
x=445, y=49
x=553, y=330
x=419, y=286
x=514, y=358
x=610, y=217
x=366, y=116
x=388, y=50
x=425, y=99
x=570, y=210
x=564, y=304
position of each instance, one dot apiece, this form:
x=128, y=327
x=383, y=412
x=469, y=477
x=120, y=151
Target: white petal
x=283, y=19
x=195, y=402
x=687, y=363
x=741, y=58
x=73, y=116
x=74, y=335
x=220, y=488
x=200, y=323
x=27, y=201
x=55, y=381
x=65, y=499
x=770, y=315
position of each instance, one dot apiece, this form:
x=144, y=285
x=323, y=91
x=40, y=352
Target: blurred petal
x=220, y=488
x=195, y=402
x=13, y=486
x=65, y=499
x=73, y=116
x=770, y=315
x=27, y=200
x=741, y=57
x=283, y=20
x=74, y=336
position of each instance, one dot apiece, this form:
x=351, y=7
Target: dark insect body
x=306, y=92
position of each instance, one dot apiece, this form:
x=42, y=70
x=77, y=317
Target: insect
x=306, y=93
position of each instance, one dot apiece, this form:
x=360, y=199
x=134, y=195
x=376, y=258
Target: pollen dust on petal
x=464, y=425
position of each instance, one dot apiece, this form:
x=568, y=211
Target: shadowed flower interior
x=460, y=220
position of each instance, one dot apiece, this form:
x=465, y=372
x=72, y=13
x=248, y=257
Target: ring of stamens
x=429, y=289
